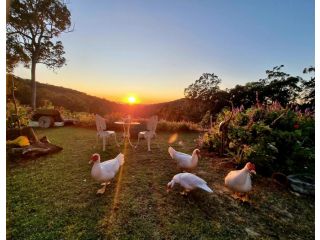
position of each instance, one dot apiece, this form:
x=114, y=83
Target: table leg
x=126, y=133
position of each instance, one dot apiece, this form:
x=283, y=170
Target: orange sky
x=111, y=87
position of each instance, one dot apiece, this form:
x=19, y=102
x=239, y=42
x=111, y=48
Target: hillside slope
x=81, y=102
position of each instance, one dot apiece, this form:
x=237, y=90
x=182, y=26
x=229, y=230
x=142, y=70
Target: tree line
x=277, y=86
x=202, y=98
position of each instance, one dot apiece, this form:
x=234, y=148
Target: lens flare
x=173, y=138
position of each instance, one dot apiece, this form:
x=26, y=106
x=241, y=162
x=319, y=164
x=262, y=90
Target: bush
x=24, y=113
x=275, y=139
x=88, y=120
x=85, y=119
x=181, y=126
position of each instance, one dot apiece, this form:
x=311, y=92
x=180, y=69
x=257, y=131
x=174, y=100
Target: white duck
x=105, y=171
x=189, y=182
x=185, y=161
x=239, y=181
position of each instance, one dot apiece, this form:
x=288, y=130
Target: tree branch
x=19, y=32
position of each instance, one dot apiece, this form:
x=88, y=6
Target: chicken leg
x=243, y=197
x=185, y=192
x=103, y=189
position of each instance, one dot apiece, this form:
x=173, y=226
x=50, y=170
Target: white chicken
x=185, y=161
x=239, y=181
x=189, y=182
x=105, y=171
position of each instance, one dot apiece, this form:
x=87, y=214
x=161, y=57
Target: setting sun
x=132, y=100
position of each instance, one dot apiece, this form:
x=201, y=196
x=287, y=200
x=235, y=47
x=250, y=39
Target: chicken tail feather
x=171, y=151
x=206, y=188
x=120, y=158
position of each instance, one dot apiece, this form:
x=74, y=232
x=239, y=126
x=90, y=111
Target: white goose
x=105, y=171
x=189, y=182
x=239, y=181
x=185, y=161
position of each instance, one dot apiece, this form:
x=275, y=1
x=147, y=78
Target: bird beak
x=90, y=161
x=168, y=189
x=253, y=171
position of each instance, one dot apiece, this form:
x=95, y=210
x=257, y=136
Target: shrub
x=205, y=121
x=88, y=120
x=24, y=113
x=164, y=125
x=85, y=119
x=275, y=139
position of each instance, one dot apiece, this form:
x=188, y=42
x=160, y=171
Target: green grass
x=54, y=197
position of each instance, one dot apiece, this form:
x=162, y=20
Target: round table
x=126, y=130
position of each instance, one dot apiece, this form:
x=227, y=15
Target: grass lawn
x=54, y=197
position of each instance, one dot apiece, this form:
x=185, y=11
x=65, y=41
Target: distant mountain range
x=81, y=102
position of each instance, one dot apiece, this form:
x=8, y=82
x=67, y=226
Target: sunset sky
x=155, y=49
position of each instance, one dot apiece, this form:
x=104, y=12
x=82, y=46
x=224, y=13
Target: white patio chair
x=103, y=133
x=151, y=131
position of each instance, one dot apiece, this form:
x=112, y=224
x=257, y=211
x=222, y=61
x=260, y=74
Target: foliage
x=205, y=95
x=173, y=126
x=210, y=141
x=204, y=88
x=24, y=113
x=113, y=117
x=31, y=28
x=309, y=88
x=33, y=24
x=274, y=138
x=275, y=87
x=281, y=86
x=181, y=110
x=205, y=121
x=46, y=104
x=85, y=119
x=70, y=99
x=278, y=86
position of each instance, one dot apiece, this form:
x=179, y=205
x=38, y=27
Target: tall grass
x=164, y=125
x=87, y=120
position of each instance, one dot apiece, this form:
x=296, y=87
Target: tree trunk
x=33, y=85
x=15, y=104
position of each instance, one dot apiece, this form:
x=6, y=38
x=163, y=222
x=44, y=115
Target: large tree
x=32, y=30
x=205, y=94
x=204, y=88
x=280, y=86
x=309, y=87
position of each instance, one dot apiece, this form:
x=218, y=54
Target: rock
x=301, y=183
x=252, y=233
x=203, y=173
x=295, y=193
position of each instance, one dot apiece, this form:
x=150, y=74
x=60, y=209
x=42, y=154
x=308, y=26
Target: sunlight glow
x=131, y=99
x=116, y=199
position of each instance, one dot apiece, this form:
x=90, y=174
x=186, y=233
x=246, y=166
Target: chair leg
x=115, y=139
x=149, y=149
x=148, y=140
x=104, y=143
x=138, y=141
x=156, y=139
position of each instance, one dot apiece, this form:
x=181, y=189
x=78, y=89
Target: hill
x=77, y=101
